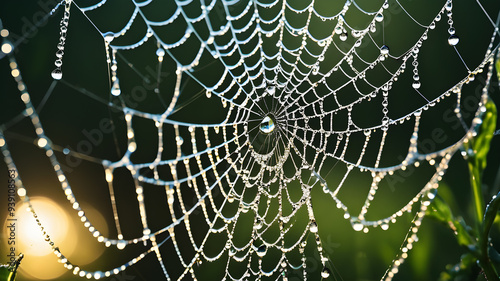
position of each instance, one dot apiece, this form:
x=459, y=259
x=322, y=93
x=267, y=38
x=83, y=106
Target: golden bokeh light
x=40, y=263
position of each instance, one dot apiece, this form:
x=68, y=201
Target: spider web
x=298, y=96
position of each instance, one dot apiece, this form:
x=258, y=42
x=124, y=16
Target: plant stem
x=475, y=180
x=489, y=218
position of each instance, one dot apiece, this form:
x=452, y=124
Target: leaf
x=481, y=145
x=462, y=234
x=466, y=269
x=441, y=211
x=497, y=66
x=8, y=272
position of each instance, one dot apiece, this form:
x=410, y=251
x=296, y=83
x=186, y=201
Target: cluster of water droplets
x=57, y=73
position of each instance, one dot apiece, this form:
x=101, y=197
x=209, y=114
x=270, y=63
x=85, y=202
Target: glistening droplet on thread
x=384, y=50
x=453, y=40
x=267, y=125
x=57, y=74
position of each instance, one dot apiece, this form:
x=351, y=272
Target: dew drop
x=315, y=70
x=343, y=36
x=232, y=252
x=267, y=125
x=160, y=52
x=471, y=77
x=108, y=36
x=416, y=84
x=262, y=250
x=98, y=275
x=449, y=6
x=357, y=226
x=271, y=90
x=453, y=40
x=325, y=273
x=384, y=50
x=258, y=225
x=379, y=17
x=121, y=245
x=313, y=227
x=115, y=90
x=57, y=74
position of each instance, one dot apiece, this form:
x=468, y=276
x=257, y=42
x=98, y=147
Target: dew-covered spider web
x=239, y=126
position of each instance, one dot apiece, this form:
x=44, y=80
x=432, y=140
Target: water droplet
x=258, y=224
x=451, y=30
x=432, y=25
x=416, y=84
x=379, y=17
x=57, y=74
x=232, y=252
x=313, y=227
x=367, y=132
x=267, y=125
x=230, y=198
x=384, y=226
x=121, y=245
x=271, y=90
x=59, y=53
x=325, y=273
x=384, y=50
x=448, y=6
x=338, y=30
x=108, y=36
x=357, y=226
x=160, y=52
x=115, y=90
x=209, y=94
x=471, y=77
x=343, y=36
x=315, y=70
x=262, y=250
x=453, y=40
x=98, y=275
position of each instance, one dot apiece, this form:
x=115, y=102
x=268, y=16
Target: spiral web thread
x=282, y=127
